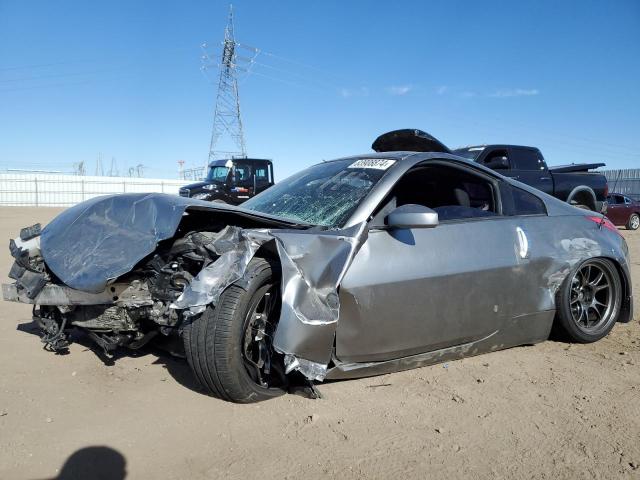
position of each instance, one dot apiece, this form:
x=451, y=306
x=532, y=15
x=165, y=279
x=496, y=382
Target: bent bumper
x=57, y=295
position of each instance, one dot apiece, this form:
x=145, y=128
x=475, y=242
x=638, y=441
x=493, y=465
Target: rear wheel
x=229, y=347
x=589, y=301
x=634, y=222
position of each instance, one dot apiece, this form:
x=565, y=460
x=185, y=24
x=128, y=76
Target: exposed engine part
x=27, y=233
x=110, y=342
x=129, y=313
x=136, y=294
x=106, y=318
x=52, y=326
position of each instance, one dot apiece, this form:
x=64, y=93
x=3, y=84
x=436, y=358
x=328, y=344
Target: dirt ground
x=553, y=410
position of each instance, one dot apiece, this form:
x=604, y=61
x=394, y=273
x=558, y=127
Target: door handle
x=523, y=243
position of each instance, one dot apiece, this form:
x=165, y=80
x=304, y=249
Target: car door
x=262, y=179
x=616, y=210
x=417, y=290
x=241, y=186
x=628, y=209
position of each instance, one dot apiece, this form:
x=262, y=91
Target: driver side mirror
x=498, y=163
x=412, y=216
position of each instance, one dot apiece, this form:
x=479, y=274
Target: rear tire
x=215, y=342
x=634, y=222
x=589, y=301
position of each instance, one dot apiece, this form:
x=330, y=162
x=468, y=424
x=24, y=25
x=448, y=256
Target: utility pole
x=181, y=169
x=226, y=118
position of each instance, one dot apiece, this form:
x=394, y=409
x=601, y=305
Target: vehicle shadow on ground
x=96, y=463
x=176, y=367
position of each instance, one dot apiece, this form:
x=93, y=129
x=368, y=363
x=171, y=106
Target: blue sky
x=123, y=78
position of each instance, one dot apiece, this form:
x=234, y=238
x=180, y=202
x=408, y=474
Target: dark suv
x=232, y=181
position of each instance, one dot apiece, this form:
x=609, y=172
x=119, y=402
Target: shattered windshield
x=325, y=194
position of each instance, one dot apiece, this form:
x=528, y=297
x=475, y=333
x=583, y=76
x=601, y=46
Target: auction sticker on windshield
x=375, y=163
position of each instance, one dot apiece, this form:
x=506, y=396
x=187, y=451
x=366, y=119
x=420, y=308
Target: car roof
x=222, y=161
x=494, y=145
x=413, y=157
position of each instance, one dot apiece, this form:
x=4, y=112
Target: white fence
x=51, y=190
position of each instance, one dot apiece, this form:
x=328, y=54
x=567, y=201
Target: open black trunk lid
x=408, y=140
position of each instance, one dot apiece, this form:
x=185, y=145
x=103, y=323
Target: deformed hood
x=410, y=140
x=98, y=240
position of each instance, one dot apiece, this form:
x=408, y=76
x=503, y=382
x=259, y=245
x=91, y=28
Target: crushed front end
x=129, y=269
x=129, y=312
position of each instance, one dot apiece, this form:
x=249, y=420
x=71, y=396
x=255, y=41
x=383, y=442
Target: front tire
x=589, y=301
x=634, y=222
x=229, y=348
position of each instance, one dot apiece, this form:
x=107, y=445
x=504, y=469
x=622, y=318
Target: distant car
x=354, y=267
x=623, y=211
x=232, y=181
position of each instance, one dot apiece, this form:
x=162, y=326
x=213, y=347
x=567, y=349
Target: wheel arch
x=626, y=311
x=583, y=192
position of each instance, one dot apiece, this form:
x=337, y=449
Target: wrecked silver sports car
x=359, y=266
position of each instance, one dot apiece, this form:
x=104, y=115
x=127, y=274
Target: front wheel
x=634, y=222
x=589, y=301
x=229, y=347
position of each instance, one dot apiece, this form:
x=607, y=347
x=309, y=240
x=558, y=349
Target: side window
x=242, y=173
x=627, y=200
x=525, y=203
x=262, y=174
x=527, y=159
x=453, y=193
x=497, y=160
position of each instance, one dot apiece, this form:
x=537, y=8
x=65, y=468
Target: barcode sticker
x=375, y=163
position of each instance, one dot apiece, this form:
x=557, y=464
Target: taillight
x=604, y=222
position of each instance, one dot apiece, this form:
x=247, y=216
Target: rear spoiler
x=576, y=167
x=408, y=140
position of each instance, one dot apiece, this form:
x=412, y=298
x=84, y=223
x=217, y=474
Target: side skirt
x=524, y=330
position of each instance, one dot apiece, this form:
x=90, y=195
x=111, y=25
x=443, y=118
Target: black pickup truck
x=232, y=181
x=575, y=184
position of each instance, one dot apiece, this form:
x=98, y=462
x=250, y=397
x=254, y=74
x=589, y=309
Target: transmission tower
x=78, y=169
x=113, y=169
x=99, y=168
x=226, y=119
